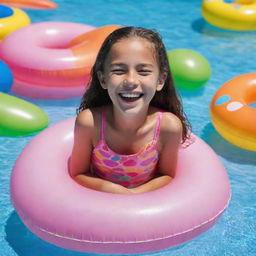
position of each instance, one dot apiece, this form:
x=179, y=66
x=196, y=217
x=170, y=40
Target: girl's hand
x=110, y=187
x=151, y=185
x=99, y=184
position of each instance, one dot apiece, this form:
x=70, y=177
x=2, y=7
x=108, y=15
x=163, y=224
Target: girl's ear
x=161, y=81
x=101, y=79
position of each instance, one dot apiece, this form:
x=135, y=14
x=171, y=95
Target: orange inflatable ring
x=86, y=46
x=232, y=113
x=31, y=4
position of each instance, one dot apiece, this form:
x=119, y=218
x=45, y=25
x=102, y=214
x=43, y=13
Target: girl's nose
x=131, y=80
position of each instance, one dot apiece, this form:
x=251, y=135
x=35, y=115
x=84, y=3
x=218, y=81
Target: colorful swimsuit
x=127, y=170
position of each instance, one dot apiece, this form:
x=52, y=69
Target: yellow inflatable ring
x=238, y=15
x=11, y=19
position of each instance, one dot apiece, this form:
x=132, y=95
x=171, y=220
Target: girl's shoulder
x=171, y=130
x=88, y=124
x=169, y=122
x=89, y=118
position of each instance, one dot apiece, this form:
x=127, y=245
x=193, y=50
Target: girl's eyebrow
x=117, y=64
x=139, y=65
x=148, y=65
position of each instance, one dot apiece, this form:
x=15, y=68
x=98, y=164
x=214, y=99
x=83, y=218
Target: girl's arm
x=171, y=139
x=171, y=134
x=79, y=163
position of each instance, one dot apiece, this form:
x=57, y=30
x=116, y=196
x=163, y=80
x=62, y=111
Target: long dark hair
x=167, y=99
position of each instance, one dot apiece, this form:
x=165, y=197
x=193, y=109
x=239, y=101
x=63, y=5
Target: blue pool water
x=182, y=26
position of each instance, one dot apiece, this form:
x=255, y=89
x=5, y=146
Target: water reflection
x=203, y=27
x=225, y=148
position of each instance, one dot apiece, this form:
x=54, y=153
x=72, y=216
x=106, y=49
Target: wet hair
x=167, y=99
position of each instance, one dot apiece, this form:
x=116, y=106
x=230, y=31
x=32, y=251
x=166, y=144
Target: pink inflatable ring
x=60, y=211
x=43, y=65
x=53, y=60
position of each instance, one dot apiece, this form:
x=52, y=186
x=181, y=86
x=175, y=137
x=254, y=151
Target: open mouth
x=130, y=97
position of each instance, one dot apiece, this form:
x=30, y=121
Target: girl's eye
x=118, y=71
x=145, y=72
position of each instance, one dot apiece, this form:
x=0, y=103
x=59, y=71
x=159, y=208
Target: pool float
x=232, y=112
x=33, y=4
x=19, y=117
x=47, y=63
x=190, y=69
x=59, y=210
x=6, y=77
x=238, y=15
x=11, y=19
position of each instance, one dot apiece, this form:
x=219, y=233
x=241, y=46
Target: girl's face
x=131, y=74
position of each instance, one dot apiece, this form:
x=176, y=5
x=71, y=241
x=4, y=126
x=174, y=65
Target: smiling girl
x=130, y=123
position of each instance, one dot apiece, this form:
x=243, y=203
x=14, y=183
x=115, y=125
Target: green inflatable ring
x=190, y=69
x=19, y=117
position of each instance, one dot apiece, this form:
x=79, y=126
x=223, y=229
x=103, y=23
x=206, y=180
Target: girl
x=130, y=122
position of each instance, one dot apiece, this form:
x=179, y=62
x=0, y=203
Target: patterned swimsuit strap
x=157, y=128
x=103, y=125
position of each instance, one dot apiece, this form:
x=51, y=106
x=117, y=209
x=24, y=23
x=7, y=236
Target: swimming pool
x=181, y=25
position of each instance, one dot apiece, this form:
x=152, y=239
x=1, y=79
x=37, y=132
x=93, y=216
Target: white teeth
x=130, y=95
